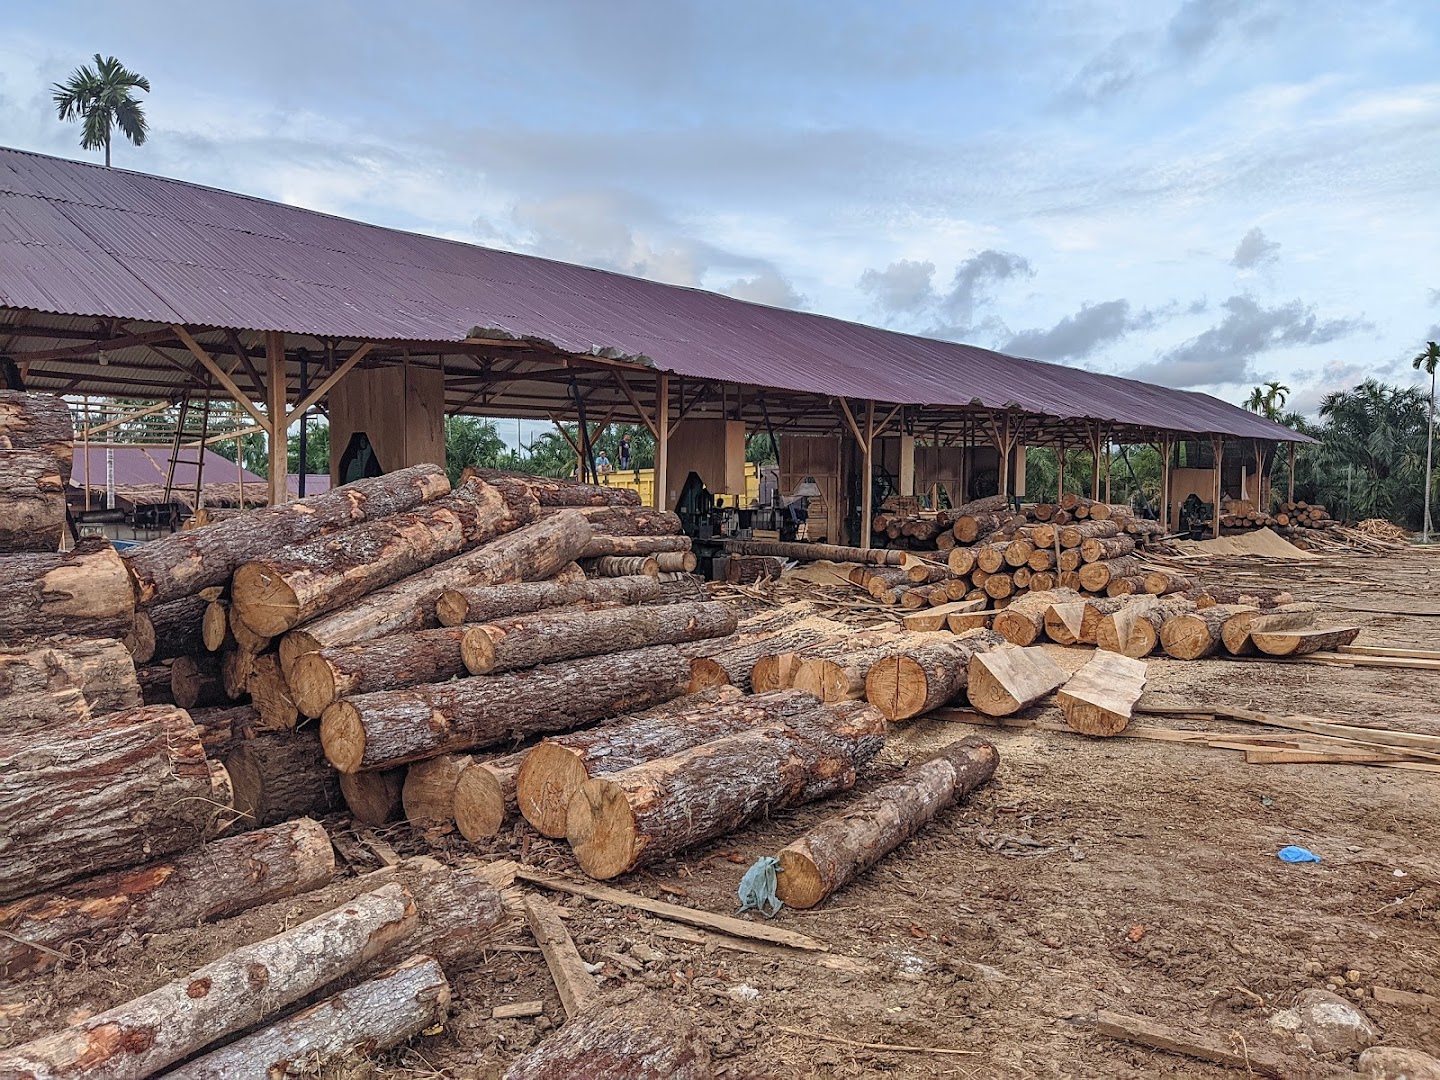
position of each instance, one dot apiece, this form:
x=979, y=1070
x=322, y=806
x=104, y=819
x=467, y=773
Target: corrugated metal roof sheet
x=143, y=466
x=79, y=239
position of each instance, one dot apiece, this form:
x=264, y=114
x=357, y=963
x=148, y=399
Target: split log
x=221, y=728
x=1065, y=622
x=1100, y=698
x=279, y=776
x=618, y=1042
x=83, y=592
x=1023, y=622
x=1195, y=634
x=817, y=552
x=532, y=553
x=184, y=563
x=375, y=1015
x=601, y=544
x=1134, y=630
x=39, y=686
x=195, y=682
x=154, y=680
x=617, y=566
x=1095, y=549
x=1275, y=642
x=1002, y=682
x=841, y=848
x=927, y=676
x=270, y=694
x=38, y=422
x=112, y=791
x=548, y=491
x=374, y=798
x=223, y=878
x=1236, y=632
x=1095, y=576
x=165, y=631
x=552, y=772
x=627, y=819
x=485, y=603
x=630, y=521
x=298, y=583
x=540, y=639
x=1164, y=582
x=392, y=727
x=143, y=1036
x=393, y=662
x=1074, y=536
x=32, y=501
x=485, y=795
x=1096, y=608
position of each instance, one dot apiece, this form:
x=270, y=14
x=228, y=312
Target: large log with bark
x=1164, y=582
x=281, y=775
x=1273, y=641
x=841, y=848
x=548, y=491
x=1002, y=682
x=552, y=772
x=154, y=680
x=165, y=631
x=1134, y=629
x=1095, y=576
x=568, y=635
x=1251, y=595
x=376, y=1015
x=485, y=795
x=270, y=694
x=1075, y=535
x=39, y=685
x=602, y=544
x=142, y=1037
x=1192, y=635
x=1023, y=622
x=840, y=675
x=196, y=682
x=626, y=520
x=392, y=727
x=32, y=501
x=926, y=676
x=184, y=563
x=227, y=876
x=816, y=552
x=37, y=422
x=485, y=603
x=83, y=592
x=374, y=798
x=222, y=727
x=622, y=1043
x=1235, y=634
x=626, y=819
x=1100, y=698
x=112, y=791
x=1096, y=549
x=532, y=553
x=393, y=662
x=732, y=667
x=272, y=594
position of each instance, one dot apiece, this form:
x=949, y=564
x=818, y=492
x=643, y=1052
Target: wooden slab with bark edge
x=184, y=563
x=1023, y=622
x=841, y=848
x=83, y=592
x=1002, y=682
x=393, y=727
x=1279, y=642
x=936, y=618
x=227, y=876
x=376, y=1015
x=1235, y=634
x=142, y=1037
x=1100, y=698
x=577, y=988
x=486, y=603
x=927, y=676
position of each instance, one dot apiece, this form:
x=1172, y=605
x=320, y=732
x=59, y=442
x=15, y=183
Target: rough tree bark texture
x=84, y=592
x=184, y=563
x=1195, y=634
x=381, y=730
x=38, y=422
x=98, y=669
x=620, y=1042
x=114, y=791
x=814, y=552
x=485, y=795
x=376, y=1015
x=392, y=662
x=484, y=603
x=635, y=545
x=564, y=635
x=154, y=680
x=1074, y=536
x=143, y=1036
x=841, y=677
x=1096, y=576
x=1023, y=622
x=272, y=594
x=843, y=847
x=281, y=775
x=196, y=682
x=32, y=501
x=1095, y=549
x=221, y=728
x=165, y=631
x=627, y=520
x=1134, y=630
x=1002, y=682
x=552, y=772
x=551, y=492
x=926, y=676
x=374, y=797
x=1163, y=582
x=1251, y=596
x=230, y=875
x=626, y=819
x=532, y=553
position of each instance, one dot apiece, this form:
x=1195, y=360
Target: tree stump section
x=33, y=680
x=1002, y=682
x=1235, y=634
x=927, y=676
x=1100, y=698
x=1196, y=634
x=842, y=847
x=83, y=592
x=486, y=603
x=280, y=776
x=32, y=501
x=638, y=1045
x=196, y=682
x=1134, y=630
x=393, y=727
x=374, y=798
x=1023, y=622
x=1275, y=642
x=223, y=878
x=393, y=662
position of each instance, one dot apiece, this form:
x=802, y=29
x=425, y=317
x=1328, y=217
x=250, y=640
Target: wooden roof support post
x=221, y=375
x=1095, y=463
x=1060, y=471
x=1167, y=451
x=662, y=442
x=1107, y=466
x=279, y=415
x=1219, y=445
x=1290, y=480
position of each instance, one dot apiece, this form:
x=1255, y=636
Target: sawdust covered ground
x=1123, y=874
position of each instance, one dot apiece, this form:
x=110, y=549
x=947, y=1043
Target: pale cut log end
x=705, y=674
x=294, y=645
x=896, y=686
x=601, y=828
x=547, y=781
x=1015, y=628
x=263, y=601
x=429, y=791
x=798, y=884
x=342, y=735
x=1186, y=637
x=452, y=607
x=479, y=804
x=477, y=651
x=312, y=684
x=374, y=797
x=215, y=626
x=809, y=676
x=140, y=641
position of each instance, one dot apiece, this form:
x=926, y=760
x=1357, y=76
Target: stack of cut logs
x=1303, y=515
x=1244, y=516
x=991, y=520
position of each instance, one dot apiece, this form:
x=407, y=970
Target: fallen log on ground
x=1134, y=630
x=111, y=791
x=376, y=1015
x=184, y=563
x=575, y=984
x=1100, y=698
x=32, y=501
x=392, y=727
x=637, y=1046
x=1193, y=635
x=927, y=676
x=374, y=798
x=38, y=422
x=165, y=631
x=841, y=676
x=230, y=875
x=486, y=603
x=1236, y=632
x=98, y=669
x=603, y=544
x=393, y=662
x=1273, y=641
x=83, y=592
x=841, y=848
x=281, y=775
x=626, y=819
x=1002, y=682
x=1023, y=622
x=549, y=491
x=816, y=552
x=531, y=553
x=552, y=772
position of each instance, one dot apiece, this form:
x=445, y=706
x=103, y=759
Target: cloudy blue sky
x=1202, y=193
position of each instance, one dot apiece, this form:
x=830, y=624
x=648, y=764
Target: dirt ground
x=1119, y=874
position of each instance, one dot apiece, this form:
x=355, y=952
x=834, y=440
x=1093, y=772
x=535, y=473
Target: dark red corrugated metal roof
x=143, y=466
x=79, y=239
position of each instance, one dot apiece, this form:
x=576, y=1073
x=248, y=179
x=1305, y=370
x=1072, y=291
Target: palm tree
x=1428, y=360
x=1268, y=400
x=101, y=98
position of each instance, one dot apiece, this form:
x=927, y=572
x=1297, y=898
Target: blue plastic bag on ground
x=1297, y=855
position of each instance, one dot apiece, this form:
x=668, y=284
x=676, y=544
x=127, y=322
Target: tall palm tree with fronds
x=102, y=98
x=1268, y=400
x=1428, y=360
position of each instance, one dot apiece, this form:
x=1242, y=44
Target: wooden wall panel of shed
x=400, y=408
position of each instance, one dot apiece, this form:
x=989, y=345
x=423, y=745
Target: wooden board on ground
x=577, y=987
